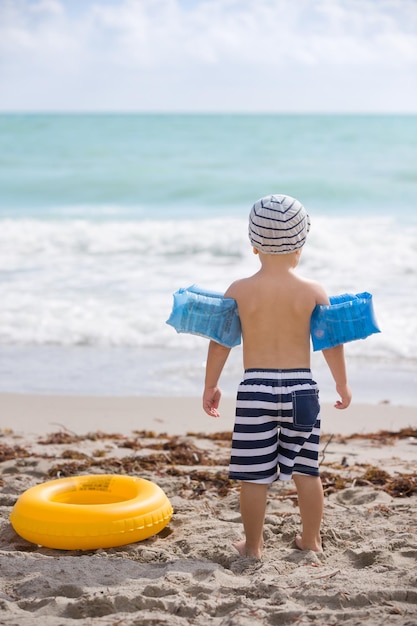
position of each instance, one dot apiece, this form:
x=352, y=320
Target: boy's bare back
x=275, y=307
x=275, y=304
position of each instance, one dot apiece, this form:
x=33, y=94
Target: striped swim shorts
x=277, y=426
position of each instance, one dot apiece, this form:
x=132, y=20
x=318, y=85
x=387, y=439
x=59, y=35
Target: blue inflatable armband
x=206, y=313
x=347, y=318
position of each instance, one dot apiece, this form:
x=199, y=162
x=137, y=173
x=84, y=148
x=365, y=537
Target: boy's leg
x=311, y=504
x=252, y=508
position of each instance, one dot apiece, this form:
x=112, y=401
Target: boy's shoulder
x=238, y=286
x=312, y=284
x=317, y=290
x=244, y=285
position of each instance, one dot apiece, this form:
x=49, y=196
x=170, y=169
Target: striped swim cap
x=278, y=224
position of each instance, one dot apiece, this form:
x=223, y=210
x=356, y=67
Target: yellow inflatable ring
x=91, y=512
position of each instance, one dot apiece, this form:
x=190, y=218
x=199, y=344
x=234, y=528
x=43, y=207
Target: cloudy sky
x=208, y=55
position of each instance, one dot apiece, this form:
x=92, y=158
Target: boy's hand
x=211, y=401
x=345, y=396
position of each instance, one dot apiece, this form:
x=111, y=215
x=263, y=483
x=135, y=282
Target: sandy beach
x=189, y=574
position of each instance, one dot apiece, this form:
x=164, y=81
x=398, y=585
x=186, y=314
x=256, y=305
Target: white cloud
x=141, y=54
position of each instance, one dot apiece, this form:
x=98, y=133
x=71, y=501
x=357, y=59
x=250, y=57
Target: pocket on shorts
x=306, y=408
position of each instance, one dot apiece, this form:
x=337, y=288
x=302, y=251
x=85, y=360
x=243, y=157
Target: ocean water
x=103, y=217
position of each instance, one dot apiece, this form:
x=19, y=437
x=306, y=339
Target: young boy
x=277, y=425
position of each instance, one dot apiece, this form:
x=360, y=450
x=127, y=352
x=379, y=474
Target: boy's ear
x=255, y=251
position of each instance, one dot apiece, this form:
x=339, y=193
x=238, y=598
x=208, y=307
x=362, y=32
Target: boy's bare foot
x=243, y=551
x=314, y=546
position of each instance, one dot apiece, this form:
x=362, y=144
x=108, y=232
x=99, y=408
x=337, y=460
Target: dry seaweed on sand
x=397, y=486
x=194, y=467
x=405, y=485
x=182, y=453
x=197, y=483
x=111, y=465
x=373, y=475
x=383, y=437
x=177, y=451
x=8, y=453
x=67, y=437
x=220, y=436
x=334, y=482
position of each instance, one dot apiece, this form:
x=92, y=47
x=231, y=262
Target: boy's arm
x=335, y=358
x=216, y=358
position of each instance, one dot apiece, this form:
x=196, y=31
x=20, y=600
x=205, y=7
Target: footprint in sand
x=358, y=496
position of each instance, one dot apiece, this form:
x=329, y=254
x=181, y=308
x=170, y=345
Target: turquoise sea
x=103, y=217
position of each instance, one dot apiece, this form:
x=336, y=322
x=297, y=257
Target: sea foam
x=110, y=283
